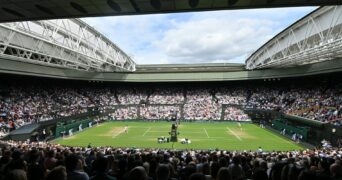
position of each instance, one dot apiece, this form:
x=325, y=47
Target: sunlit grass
x=227, y=136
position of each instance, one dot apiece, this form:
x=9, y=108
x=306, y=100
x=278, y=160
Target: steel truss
x=63, y=43
x=315, y=38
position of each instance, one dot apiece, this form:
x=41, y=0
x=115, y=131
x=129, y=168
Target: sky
x=226, y=36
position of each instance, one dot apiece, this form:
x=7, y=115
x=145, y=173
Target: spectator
x=74, y=168
x=163, y=172
x=137, y=173
x=101, y=166
x=223, y=174
x=57, y=173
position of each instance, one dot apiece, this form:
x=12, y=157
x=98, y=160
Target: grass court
x=226, y=135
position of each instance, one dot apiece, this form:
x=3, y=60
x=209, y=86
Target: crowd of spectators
x=123, y=113
x=231, y=95
x=235, y=114
x=28, y=105
x=313, y=103
x=200, y=105
x=166, y=96
x=40, y=161
x=103, y=98
x=158, y=112
x=21, y=105
x=132, y=95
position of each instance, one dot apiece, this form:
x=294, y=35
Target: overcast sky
x=200, y=37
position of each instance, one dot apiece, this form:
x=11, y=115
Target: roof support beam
x=68, y=40
x=315, y=38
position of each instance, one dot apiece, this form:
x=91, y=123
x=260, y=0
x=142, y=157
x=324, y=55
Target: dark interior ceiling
x=22, y=10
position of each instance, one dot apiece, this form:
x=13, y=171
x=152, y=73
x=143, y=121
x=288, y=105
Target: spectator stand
x=234, y=112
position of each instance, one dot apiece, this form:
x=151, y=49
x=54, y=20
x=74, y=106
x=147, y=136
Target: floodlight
x=78, y=7
x=193, y=3
x=232, y=2
x=156, y=4
x=115, y=6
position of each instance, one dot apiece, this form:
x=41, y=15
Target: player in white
x=70, y=132
x=239, y=124
x=126, y=129
x=283, y=132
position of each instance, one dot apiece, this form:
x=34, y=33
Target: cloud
x=209, y=39
x=201, y=37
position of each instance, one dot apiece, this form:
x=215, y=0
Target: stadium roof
x=20, y=10
x=62, y=43
x=315, y=38
x=205, y=67
x=72, y=44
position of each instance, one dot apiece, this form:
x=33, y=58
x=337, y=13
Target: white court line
x=206, y=132
x=147, y=131
x=201, y=132
x=118, y=133
x=234, y=134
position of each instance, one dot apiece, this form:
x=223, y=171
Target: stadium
x=74, y=105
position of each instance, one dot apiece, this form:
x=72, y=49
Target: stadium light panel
x=13, y=12
x=193, y=3
x=115, y=6
x=156, y=4
x=78, y=7
x=44, y=9
x=232, y=2
x=135, y=6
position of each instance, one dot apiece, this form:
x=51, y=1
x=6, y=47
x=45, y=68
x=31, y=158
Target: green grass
x=227, y=136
